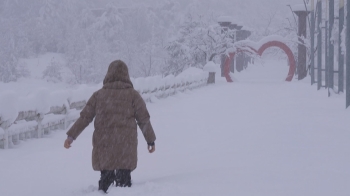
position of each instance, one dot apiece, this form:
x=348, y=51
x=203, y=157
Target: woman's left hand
x=151, y=149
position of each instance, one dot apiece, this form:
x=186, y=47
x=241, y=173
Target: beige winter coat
x=117, y=109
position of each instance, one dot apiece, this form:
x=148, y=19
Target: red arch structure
x=259, y=52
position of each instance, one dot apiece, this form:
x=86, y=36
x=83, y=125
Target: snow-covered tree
x=143, y=33
x=199, y=41
x=179, y=59
x=10, y=52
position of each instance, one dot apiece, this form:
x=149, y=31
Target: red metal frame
x=259, y=52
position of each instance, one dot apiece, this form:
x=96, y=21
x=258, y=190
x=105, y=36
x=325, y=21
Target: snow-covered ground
x=258, y=136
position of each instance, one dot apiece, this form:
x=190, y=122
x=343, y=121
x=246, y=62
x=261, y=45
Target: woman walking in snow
x=117, y=109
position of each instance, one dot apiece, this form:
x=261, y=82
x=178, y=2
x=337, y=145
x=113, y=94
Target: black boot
x=123, y=178
x=107, y=178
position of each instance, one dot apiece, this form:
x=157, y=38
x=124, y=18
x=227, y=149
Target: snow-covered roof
x=224, y=19
x=228, y=19
x=247, y=28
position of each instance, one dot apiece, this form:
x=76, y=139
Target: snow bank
x=159, y=84
x=211, y=67
x=192, y=75
x=190, y=72
x=169, y=81
x=82, y=93
x=41, y=100
x=38, y=100
x=22, y=127
x=40, y=97
x=59, y=98
x=153, y=88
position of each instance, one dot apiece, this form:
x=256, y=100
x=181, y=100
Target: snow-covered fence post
x=67, y=116
x=66, y=113
x=6, y=138
x=39, y=120
x=22, y=136
x=211, y=68
x=15, y=139
x=5, y=126
x=211, y=78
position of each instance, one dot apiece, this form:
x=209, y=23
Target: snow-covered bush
x=53, y=72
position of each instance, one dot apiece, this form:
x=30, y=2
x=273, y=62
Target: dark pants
x=107, y=178
x=121, y=177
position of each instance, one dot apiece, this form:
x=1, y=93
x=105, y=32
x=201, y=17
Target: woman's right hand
x=67, y=143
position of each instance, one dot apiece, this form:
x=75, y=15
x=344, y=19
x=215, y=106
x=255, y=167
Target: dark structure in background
x=330, y=63
x=348, y=57
x=242, y=60
x=325, y=66
x=319, y=44
x=312, y=50
x=211, y=78
x=341, y=57
x=302, y=15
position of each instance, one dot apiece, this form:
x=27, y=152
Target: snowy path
x=269, y=138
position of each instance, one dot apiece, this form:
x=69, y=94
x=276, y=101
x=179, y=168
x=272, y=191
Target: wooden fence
x=32, y=124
